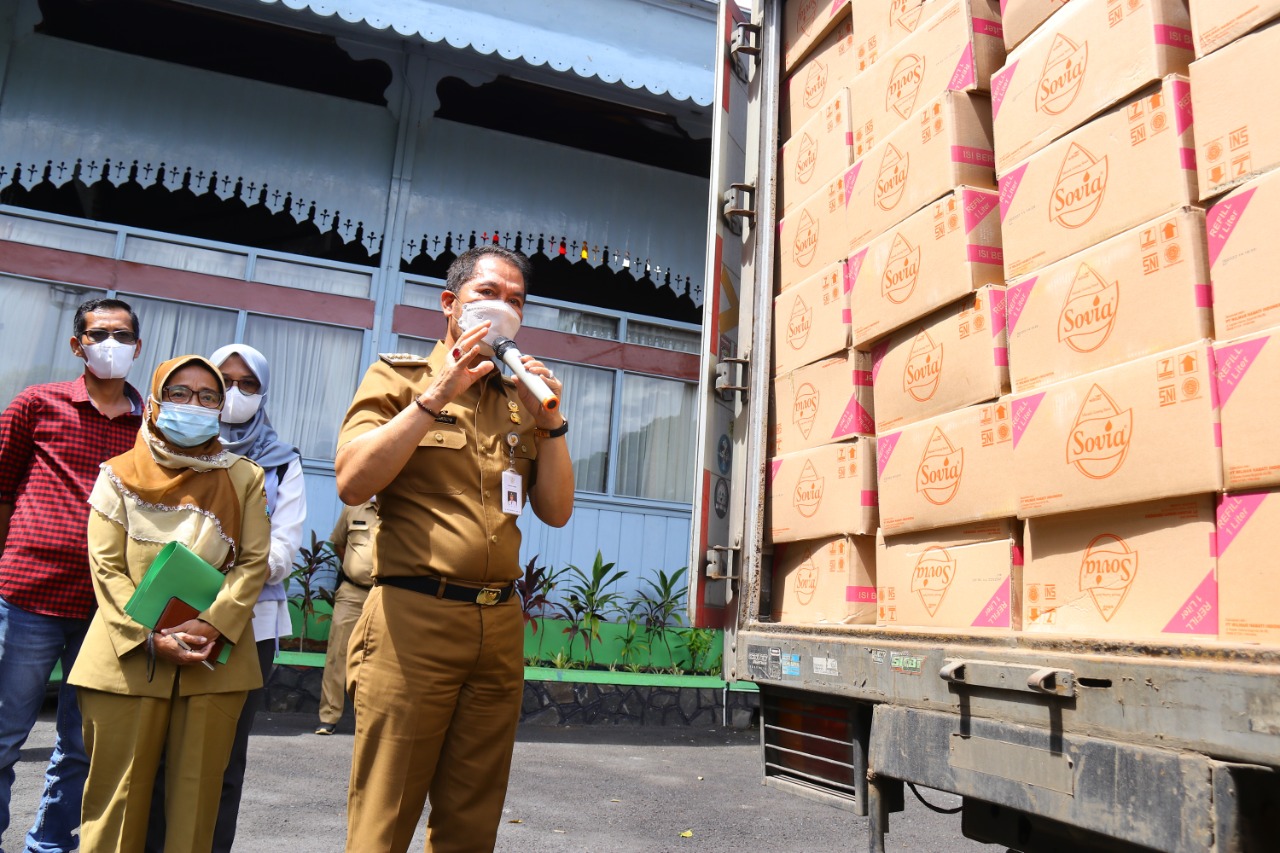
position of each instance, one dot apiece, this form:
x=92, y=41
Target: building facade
x=297, y=176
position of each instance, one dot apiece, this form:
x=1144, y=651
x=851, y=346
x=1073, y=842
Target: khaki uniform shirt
x=353, y=535
x=442, y=514
x=114, y=655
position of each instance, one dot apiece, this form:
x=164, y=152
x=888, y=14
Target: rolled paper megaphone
x=505, y=348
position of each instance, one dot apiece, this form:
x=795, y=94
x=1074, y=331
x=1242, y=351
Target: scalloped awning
x=664, y=46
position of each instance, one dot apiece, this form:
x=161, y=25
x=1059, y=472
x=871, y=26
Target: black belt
x=454, y=592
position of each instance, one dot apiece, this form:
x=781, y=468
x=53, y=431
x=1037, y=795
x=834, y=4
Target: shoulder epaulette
x=404, y=359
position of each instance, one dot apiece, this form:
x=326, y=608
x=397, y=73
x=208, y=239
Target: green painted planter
x=550, y=639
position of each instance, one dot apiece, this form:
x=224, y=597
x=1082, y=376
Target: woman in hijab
x=144, y=694
x=247, y=430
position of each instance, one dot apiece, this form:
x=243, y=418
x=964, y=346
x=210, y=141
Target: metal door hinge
x=744, y=43
x=722, y=563
x=739, y=202
x=729, y=377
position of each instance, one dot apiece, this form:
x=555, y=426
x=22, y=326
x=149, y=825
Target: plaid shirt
x=52, y=441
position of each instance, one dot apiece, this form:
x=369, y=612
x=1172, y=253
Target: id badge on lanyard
x=512, y=482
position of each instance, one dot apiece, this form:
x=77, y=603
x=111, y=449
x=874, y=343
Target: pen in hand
x=183, y=644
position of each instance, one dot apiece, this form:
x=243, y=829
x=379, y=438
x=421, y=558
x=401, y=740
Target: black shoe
x=325, y=728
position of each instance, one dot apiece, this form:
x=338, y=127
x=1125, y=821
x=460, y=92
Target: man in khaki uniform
x=435, y=663
x=352, y=539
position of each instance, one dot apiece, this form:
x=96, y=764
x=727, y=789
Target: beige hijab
x=160, y=492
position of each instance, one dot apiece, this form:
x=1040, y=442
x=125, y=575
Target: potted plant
x=308, y=569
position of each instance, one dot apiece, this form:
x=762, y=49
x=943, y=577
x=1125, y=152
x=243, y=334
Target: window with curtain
x=588, y=405
x=176, y=328
x=417, y=346
x=36, y=324
x=314, y=373
x=656, y=429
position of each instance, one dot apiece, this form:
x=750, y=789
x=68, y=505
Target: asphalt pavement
x=572, y=789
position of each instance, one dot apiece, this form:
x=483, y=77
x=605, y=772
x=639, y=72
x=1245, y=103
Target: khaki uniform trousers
x=437, y=687
x=348, y=602
x=125, y=737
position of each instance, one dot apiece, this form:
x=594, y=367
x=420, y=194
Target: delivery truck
x=987, y=482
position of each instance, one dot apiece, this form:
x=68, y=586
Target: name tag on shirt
x=512, y=492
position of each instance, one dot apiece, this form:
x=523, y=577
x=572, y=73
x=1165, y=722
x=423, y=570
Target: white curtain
x=314, y=373
x=655, y=450
x=663, y=337
x=171, y=329
x=37, y=322
x=588, y=406
x=416, y=346
x=162, y=253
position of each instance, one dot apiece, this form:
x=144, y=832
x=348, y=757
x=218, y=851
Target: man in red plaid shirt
x=53, y=437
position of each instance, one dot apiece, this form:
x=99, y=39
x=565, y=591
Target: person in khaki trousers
x=352, y=538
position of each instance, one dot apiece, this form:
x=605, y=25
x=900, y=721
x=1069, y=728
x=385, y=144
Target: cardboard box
x=1244, y=255
x=1093, y=54
x=946, y=144
x=812, y=236
x=820, y=150
x=955, y=357
x=814, y=81
x=811, y=320
x=1248, y=374
x=1139, y=293
x=805, y=23
x=956, y=49
x=1127, y=166
x=1019, y=18
x=878, y=25
x=1130, y=572
x=1237, y=126
x=960, y=577
x=1142, y=430
x=827, y=581
x=820, y=403
x=826, y=491
x=944, y=251
x=1217, y=23
x=1248, y=538
x=953, y=469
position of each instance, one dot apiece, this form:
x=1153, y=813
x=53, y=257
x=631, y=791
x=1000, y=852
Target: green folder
x=176, y=572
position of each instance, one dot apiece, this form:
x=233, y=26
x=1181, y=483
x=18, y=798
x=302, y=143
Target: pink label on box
x=860, y=594
x=1000, y=85
x=1213, y=544
x=1233, y=361
x=1204, y=295
x=1001, y=356
x=835, y=6
x=884, y=449
x=846, y=316
x=965, y=76
x=993, y=255
x=1234, y=512
x=1009, y=188
x=1199, y=615
x=878, y=353
x=854, y=420
x=1017, y=555
x=853, y=268
x=869, y=497
x=969, y=155
x=775, y=466
x=851, y=180
x=996, y=613
x=998, y=312
x=1003, y=4
x=1187, y=158
x=848, y=137
x=976, y=208
x=986, y=27
x=846, y=278
x=1174, y=37
x=1024, y=409
x=863, y=378
x=1221, y=222
x=1217, y=435
x=1182, y=105
x=1015, y=300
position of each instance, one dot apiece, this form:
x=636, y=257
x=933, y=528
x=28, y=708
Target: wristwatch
x=553, y=433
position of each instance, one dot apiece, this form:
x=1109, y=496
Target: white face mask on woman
x=237, y=407
x=109, y=359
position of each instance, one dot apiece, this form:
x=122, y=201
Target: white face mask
x=109, y=359
x=238, y=408
x=504, y=319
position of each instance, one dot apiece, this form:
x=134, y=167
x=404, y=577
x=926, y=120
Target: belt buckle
x=488, y=596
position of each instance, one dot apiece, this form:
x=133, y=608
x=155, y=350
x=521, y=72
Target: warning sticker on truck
x=770, y=662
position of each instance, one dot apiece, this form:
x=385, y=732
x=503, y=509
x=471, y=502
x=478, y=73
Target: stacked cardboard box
x=826, y=580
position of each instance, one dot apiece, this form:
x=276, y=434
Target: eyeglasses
x=248, y=385
x=182, y=395
x=124, y=336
